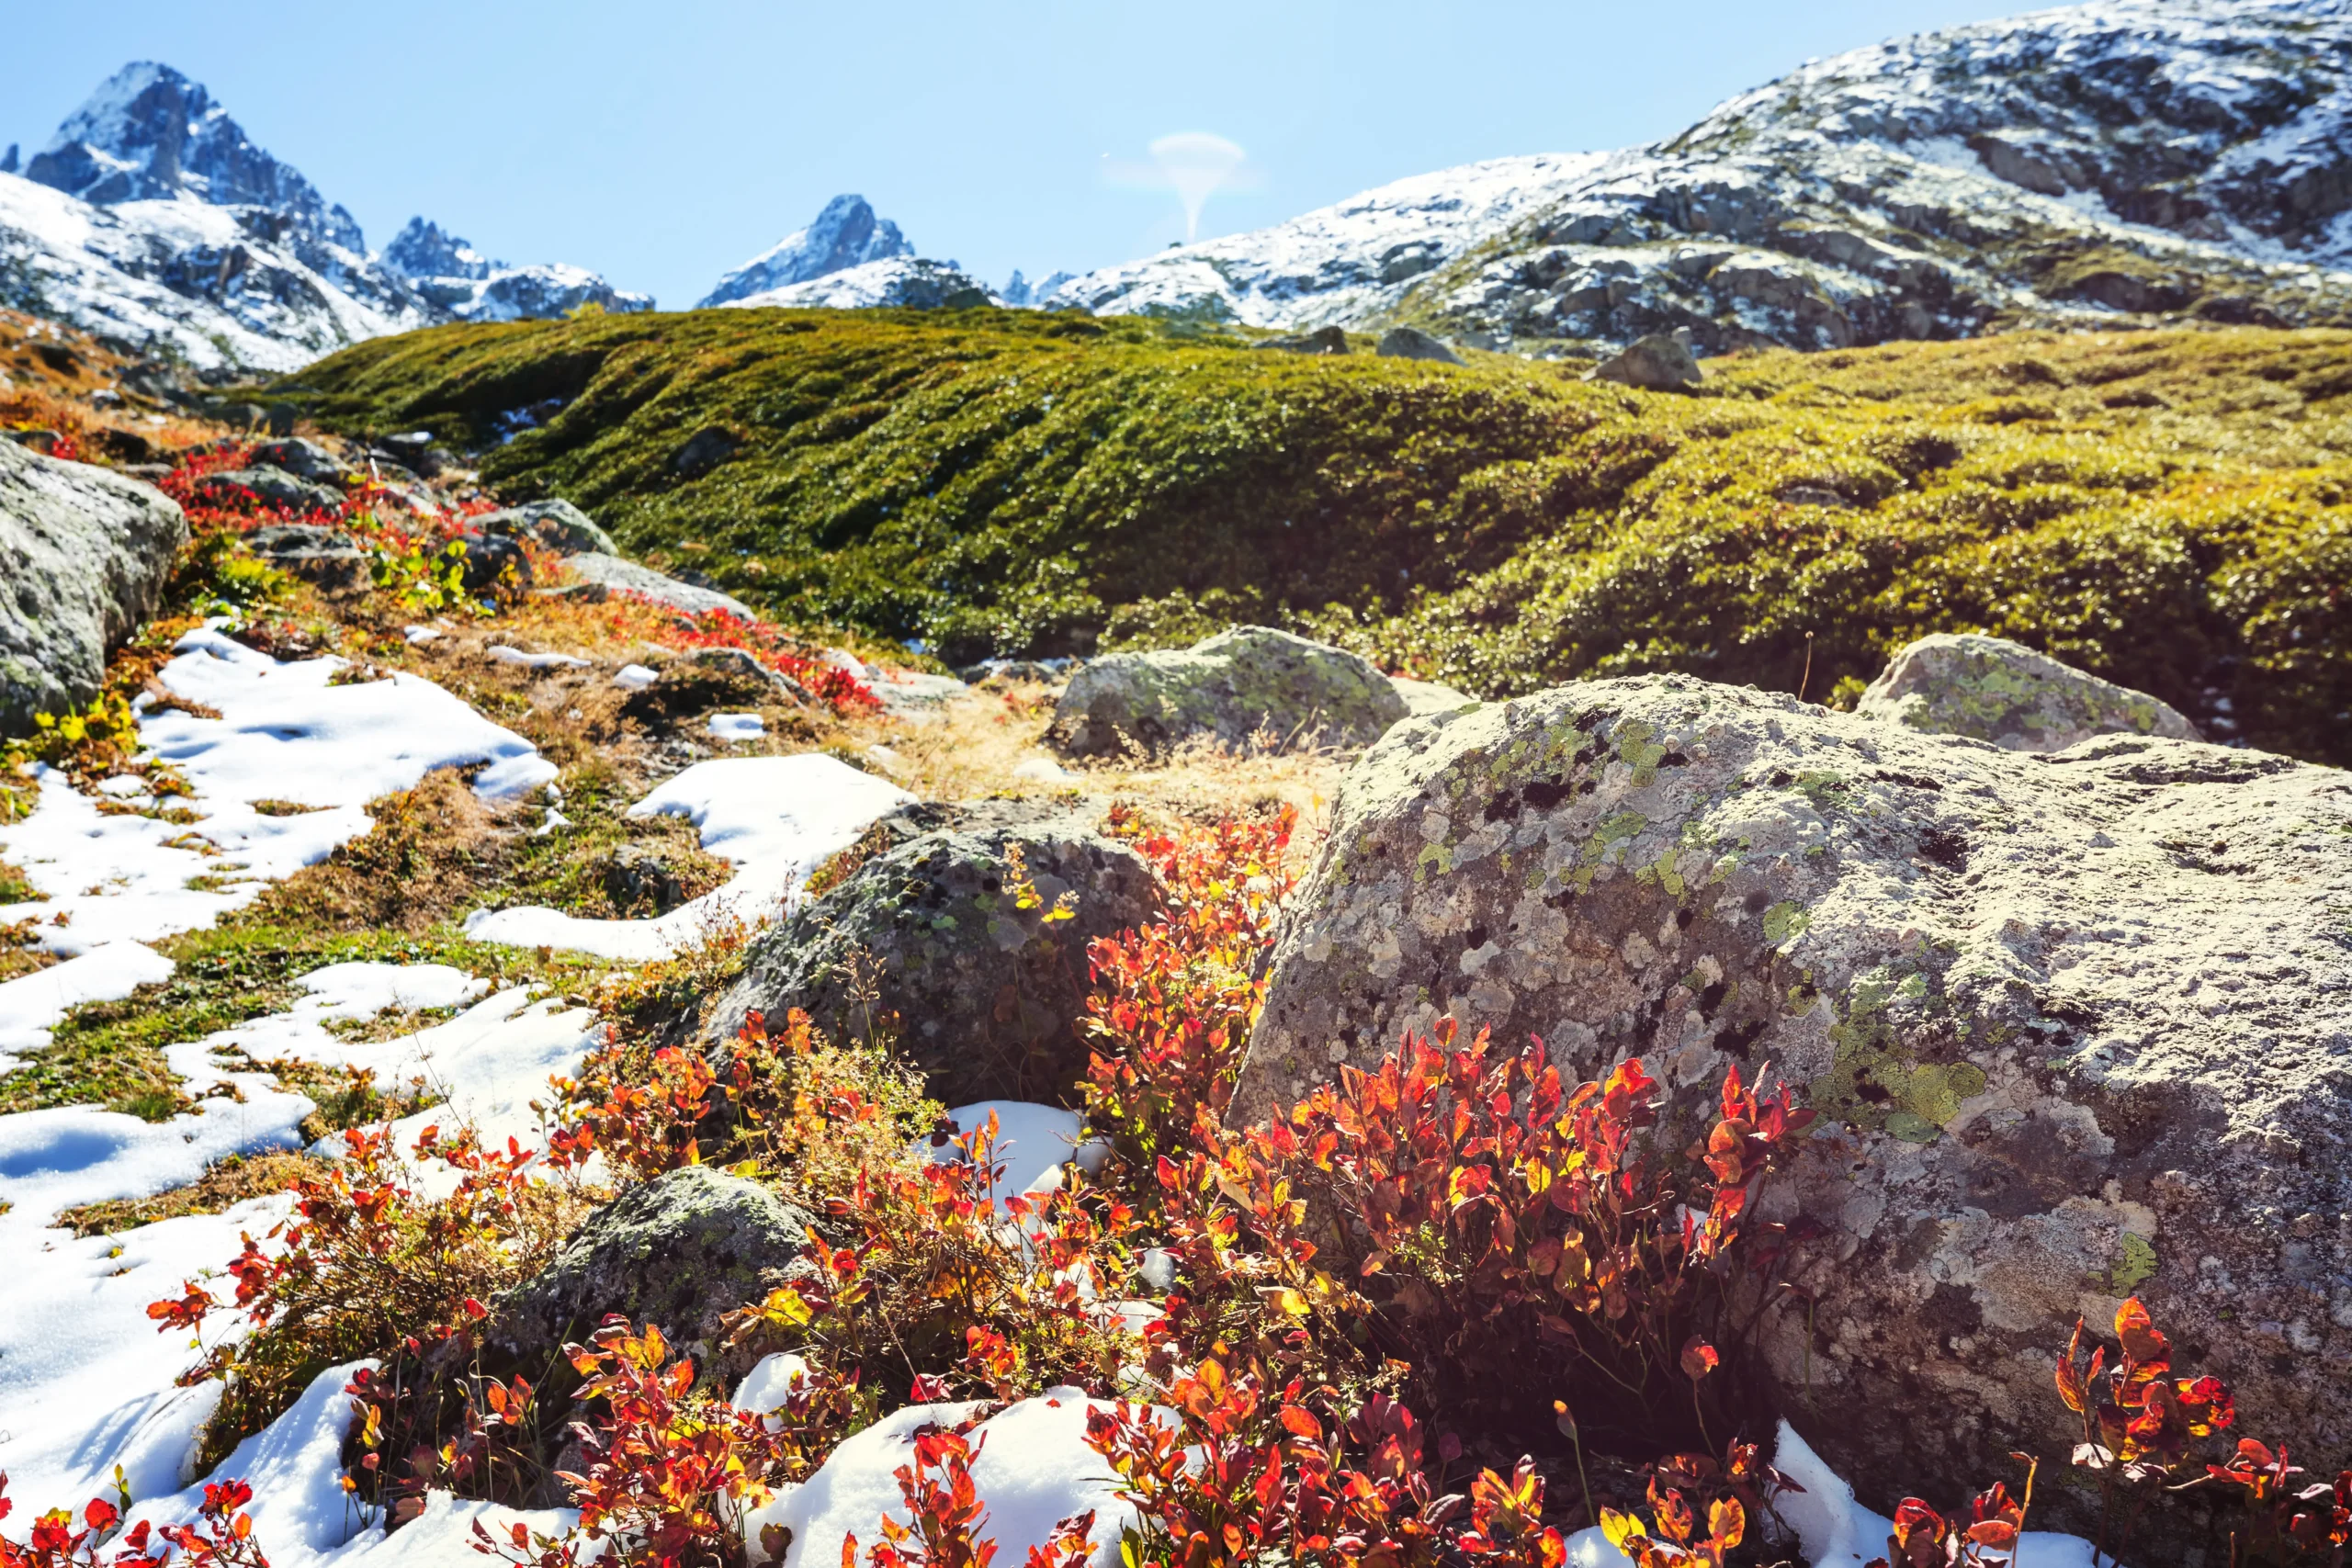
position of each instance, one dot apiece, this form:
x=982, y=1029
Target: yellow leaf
x=1621, y=1527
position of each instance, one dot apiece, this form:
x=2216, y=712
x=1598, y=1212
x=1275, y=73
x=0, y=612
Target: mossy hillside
x=2166, y=509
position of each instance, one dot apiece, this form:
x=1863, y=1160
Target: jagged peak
x=846, y=233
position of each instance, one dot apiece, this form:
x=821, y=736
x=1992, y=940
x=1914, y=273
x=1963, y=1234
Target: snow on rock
x=30, y=1004
x=1034, y=1469
x=1342, y=262
x=900, y=280
x=1927, y=188
x=285, y=735
x=1835, y=1531
x=846, y=235
x=777, y=819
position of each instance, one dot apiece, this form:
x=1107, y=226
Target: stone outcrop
x=557, y=525
x=329, y=558
x=274, y=486
x=1411, y=342
x=681, y=1250
x=2079, y=1025
x=1236, y=687
x=83, y=555
x=986, y=993
x=615, y=575
x=1658, y=362
x=1989, y=688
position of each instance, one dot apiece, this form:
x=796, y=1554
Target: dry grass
x=48, y=373
x=221, y=1187
x=431, y=847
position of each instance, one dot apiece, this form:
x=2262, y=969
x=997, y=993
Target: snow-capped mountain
x=2108, y=163
x=846, y=235
x=896, y=280
x=453, y=276
x=154, y=221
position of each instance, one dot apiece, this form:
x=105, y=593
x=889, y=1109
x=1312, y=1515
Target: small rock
x=682, y=1251
x=327, y=558
x=1658, y=362
x=417, y=453
x=1240, y=685
x=1989, y=688
x=41, y=441
x=1323, y=340
x=628, y=576
x=988, y=995
x=704, y=451
x=279, y=419
x=1411, y=342
x=557, y=525
x=273, y=487
x=127, y=447
x=304, y=460
x=640, y=883
x=489, y=559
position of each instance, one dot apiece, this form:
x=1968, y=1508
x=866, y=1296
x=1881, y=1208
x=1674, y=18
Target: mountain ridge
x=152, y=221
x=2119, y=163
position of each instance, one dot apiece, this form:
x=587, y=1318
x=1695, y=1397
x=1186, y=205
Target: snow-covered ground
x=777, y=819
x=279, y=780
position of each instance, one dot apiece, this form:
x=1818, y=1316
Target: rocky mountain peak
x=426, y=250
x=149, y=133
x=847, y=234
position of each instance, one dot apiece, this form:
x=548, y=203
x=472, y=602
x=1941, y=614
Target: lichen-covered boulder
x=681, y=1250
x=555, y=524
x=304, y=460
x=2078, y=1025
x=1989, y=688
x=1248, y=683
x=986, y=993
x=83, y=555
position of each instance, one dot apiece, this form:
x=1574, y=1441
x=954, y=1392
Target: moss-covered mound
x=2169, y=510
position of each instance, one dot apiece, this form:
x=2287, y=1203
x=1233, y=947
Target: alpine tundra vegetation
x=1623, y=858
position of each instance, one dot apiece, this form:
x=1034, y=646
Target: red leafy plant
x=222, y=1537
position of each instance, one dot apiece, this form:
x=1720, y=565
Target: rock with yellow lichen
x=2079, y=1024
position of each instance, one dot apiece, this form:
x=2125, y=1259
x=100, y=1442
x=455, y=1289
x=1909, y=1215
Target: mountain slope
x=153, y=220
x=2113, y=163
x=2168, y=509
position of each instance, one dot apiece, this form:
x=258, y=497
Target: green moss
x=2171, y=510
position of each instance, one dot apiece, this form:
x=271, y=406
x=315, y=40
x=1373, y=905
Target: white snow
x=285, y=735
x=777, y=819
x=1033, y=1142
x=1034, y=1469
x=892, y=280
x=634, y=677
x=506, y=655
x=86, y=1381
x=30, y=1004
x=738, y=727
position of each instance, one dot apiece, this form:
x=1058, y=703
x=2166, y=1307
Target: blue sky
x=662, y=144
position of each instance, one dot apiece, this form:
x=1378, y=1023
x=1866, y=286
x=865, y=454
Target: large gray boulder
x=1989, y=688
x=1240, y=685
x=84, y=557
x=987, y=994
x=681, y=1250
x=2078, y=1025
x=557, y=525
